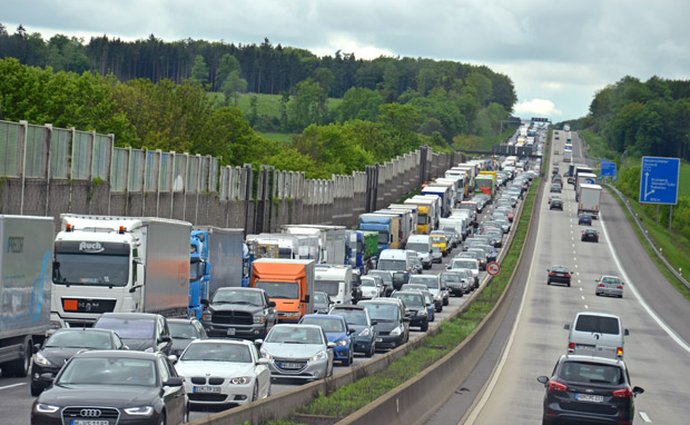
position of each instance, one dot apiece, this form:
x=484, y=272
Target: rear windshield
x=592, y=373
x=597, y=324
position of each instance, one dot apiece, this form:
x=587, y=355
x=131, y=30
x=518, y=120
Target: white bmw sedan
x=223, y=372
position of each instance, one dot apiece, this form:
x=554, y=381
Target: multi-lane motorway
x=656, y=350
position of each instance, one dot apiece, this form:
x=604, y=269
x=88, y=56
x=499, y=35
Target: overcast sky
x=557, y=52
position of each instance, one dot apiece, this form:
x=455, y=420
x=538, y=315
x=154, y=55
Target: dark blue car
x=585, y=220
x=337, y=332
x=362, y=327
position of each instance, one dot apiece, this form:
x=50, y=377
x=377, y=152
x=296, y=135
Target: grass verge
x=352, y=397
x=597, y=147
x=676, y=253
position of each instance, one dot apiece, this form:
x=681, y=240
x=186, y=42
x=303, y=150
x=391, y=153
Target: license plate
x=89, y=422
x=379, y=339
x=291, y=365
x=589, y=397
x=584, y=347
x=206, y=390
x=231, y=332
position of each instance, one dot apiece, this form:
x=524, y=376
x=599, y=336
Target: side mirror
x=626, y=332
x=330, y=345
x=306, y=298
x=263, y=361
x=406, y=320
x=548, y=270
x=165, y=338
x=637, y=390
x=374, y=323
x=35, y=349
x=271, y=303
x=173, y=381
x=205, y=302
x=46, y=378
x=258, y=342
x=566, y=327
x=172, y=358
x=350, y=331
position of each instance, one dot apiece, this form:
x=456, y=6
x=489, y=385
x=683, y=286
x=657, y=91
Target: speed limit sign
x=493, y=268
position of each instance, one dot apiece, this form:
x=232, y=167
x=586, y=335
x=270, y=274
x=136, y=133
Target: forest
x=183, y=96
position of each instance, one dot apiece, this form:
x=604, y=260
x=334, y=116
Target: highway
x=657, y=358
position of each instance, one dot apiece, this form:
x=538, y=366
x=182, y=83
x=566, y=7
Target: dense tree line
x=643, y=118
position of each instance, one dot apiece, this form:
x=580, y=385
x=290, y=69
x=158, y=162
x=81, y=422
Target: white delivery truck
x=331, y=240
x=25, y=261
x=584, y=178
x=335, y=280
x=590, y=197
x=282, y=245
x=119, y=264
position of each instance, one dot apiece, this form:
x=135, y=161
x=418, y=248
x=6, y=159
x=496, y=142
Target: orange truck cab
x=288, y=283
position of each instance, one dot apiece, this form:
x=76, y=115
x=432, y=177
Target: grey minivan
x=596, y=334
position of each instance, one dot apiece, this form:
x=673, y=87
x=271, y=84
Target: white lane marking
x=578, y=273
x=504, y=356
x=684, y=345
x=575, y=259
x=580, y=287
x=645, y=417
x=19, y=384
x=586, y=307
x=575, y=265
x=583, y=297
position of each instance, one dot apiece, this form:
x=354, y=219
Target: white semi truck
x=119, y=264
x=25, y=260
x=589, y=199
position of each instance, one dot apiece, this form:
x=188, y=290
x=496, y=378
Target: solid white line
x=684, y=345
x=504, y=356
x=645, y=417
x=12, y=385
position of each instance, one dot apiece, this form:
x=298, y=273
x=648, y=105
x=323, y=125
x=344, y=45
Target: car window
x=109, y=371
x=163, y=370
x=79, y=339
x=598, y=324
x=217, y=352
x=129, y=328
x=592, y=373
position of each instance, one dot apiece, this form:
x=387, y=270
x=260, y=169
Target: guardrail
x=649, y=239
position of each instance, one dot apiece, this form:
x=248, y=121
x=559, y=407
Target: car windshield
x=295, y=335
x=451, y=277
x=560, y=269
x=430, y=282
x=369, y=282
x=126, y=328
x=79, y=339
x=217, y=352
x=328, y=286
x=234, y=296
x=610, y=280
x=382, y=312
x=410, y=300
x=352, y=317
x=109, y=371
x=592, y=373
x=320, y=298
x=328, y=325
x=394, y=265
x=385, y=276
x=597, y=324
x=182, y=330
x=464, y=264
x=418, y=247
x=285, y=290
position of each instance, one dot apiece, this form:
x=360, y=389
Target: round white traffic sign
x=493, y=268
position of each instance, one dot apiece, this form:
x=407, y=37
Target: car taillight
x=571, y=347
x=557, y=386
x=567, y=275
x=619, y=287
x=619, y=351
x=552, y=274
x=623, y=393
x=601, y=285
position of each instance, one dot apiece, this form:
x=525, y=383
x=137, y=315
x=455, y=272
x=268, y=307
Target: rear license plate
x=291, y=365
x=206, y=390
x=379, y=339
x=231, y=332
x=589, y=397
x=89, y=422
x=584, y=347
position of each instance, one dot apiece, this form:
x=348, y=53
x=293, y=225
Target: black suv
x=415, y=308
x=588, y=389
x=139, y=331
x=239, y=313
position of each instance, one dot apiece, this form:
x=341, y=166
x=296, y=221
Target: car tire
x=369, y=354
x=424, y=327
x=36, y=390
x=255, y=391
x=19, y=368
x=348, y=360
x=163, y=419
x=445, y=301
x=548, y=282
x=568, y=284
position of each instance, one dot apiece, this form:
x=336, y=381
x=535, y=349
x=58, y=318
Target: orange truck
x=288, y=283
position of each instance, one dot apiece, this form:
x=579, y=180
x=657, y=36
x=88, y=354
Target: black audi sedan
x=64, y=344
x=586, y=389
x=112, y=388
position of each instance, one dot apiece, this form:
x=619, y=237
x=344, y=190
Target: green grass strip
x=352, y=397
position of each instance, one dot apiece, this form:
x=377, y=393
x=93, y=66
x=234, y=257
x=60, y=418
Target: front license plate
x=89, y=422
x=231, y=332
x=379, y=339
x=589, y=397
x=291, y=365
x=206, y=390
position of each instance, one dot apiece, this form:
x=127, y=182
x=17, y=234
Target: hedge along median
x=389, y=394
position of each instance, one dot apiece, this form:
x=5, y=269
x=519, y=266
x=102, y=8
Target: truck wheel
x=20, y=367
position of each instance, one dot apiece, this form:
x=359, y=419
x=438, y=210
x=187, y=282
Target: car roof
x=292, y=325
x=151, y=316
x=393, y=301
x=592, y=359
x=239, y=288
x=86, y=330
x=413, y=292
x=235, y=341
x=347, y=307
x=595, y=313
x=324, y=316
x=180, y=320
x=127, y=354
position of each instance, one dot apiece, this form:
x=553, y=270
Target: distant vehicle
x=558, y=274
x=224, y=372
x=596, y=334
x=415, y=308
x=337, y=332
x=143, y=387
x=300, y=352
x=554, y=196
x=371, y=288
x=387, y=278
x=609, y=285
x=433, y=285
x=556, y=204
x=590, y=235
x=322, y=302
x=357, y=319
x=240, y=312
x=556, y=188
x=62, y=345
x=466, y=263
x=584, y=220
x=183, y=332
x=139, y=331
x=391, y=326
x=457, y=281
x=436, y=255
x=589, y=389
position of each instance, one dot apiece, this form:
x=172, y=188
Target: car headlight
x=40, y=360
x=206, y=316
x=149, y=350
x=46, y=408
x=364, y=332
x=259, y=320
x=241, y=380
x=397, y=331
x=421, y=312
x=265, y=354
x=139, y=411
x=437, y=296
x=342, y=342
x=321, y=355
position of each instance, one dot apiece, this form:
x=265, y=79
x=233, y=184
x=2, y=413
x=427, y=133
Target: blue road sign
x=608, y=169
x=659, y=180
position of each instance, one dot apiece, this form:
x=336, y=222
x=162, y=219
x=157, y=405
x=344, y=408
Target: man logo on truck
x=91, y=247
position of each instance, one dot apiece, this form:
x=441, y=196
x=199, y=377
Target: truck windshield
x=286, y=290
x=422, y=219
x=383, y=237
x=328, y=286
x=394, y=265
x=90, y=269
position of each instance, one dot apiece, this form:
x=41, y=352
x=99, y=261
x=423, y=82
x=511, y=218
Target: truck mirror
x=306, y=298
x=205, y=302
x=271, y=303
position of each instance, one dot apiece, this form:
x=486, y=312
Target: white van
x=395, y=261
x=422, y=245
x=596, y=334
x=336, y=281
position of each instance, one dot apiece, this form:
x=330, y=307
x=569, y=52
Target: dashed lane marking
x=645, y=417
x=6, y=387
x=586, y=307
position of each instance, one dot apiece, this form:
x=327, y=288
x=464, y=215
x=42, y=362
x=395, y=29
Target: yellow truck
x=438, y=239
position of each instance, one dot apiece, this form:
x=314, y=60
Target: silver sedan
x=609, y=285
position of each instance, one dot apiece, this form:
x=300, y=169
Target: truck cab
x=288, y=283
